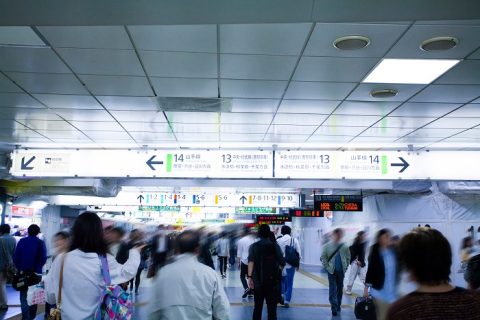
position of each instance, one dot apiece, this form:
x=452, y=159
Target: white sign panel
x=371, y=165
x=134, y=163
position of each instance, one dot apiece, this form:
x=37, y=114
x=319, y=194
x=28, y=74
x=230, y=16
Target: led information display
x=272, y=219
x=338, y=202
x=306, y=213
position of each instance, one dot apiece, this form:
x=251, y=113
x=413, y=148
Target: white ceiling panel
x=418, y=142
x=413, y=109
x=260, y=67
x=153, y=136
x=180, y=87
x=194, y=117
x=107, y=135
x=448, y=93
x=299, y=119
x=455, y=123
x=409, y=45
x=333, y=69
x=58, y=101
x=254, y=105
x=366, y=108
x=18, y=100
x=19, y=35
x=472, y=133
x=247, y=118
x=191, y=38
x=117, y=85
x=21, y=133
x=351, y=121
x=27, y=114
x=195, y=128
x=197, y=137
x=404, y=122
x=466, y=72
x=393, y=132
x=180, y=64
x=308, y=106
x=318, y=90
x=48, y=83
x=102, y=61
x=373, y=139
x=434, y=133
x=128, y=103
x=235, y=137
x=144, y=126
x=252, y=88
x=382, y=37
x=404, y=91
x=45, y=125
x=468, y=111
x=273, y=39
x=26, y=59
x=98, y=37
x=97, y=125
x=329, y=138
x=339, y=131
x=147, y=116
x=84, y=115
x=291, y=129
x=63, y=134
x=10, y=124
x=8, y=86
x=244, y=128
x=279, y=138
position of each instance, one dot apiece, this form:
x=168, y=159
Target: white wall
x=51, y=224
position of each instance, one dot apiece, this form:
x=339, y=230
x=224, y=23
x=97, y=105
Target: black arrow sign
x=151, y=162
x=24, y=165
x=243, y=199
x=140, y=198
x=404, y=164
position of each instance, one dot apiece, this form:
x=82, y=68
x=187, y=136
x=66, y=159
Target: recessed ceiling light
x=351, y=42
x=409, y=71
x=383, y=93
x=439, y=44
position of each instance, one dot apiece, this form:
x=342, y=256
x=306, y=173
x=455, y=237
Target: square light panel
x=409, y=71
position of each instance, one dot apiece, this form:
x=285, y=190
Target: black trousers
x=243, y=274
x=223, y=264
x=268, y=293
x=137, y=280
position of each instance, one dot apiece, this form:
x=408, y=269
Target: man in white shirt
x=287, y=279
x=187, y=289
x=242, y=256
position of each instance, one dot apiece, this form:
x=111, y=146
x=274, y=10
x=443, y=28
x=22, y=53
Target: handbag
x=10, y=269
x=36, y=295
x=24, y=279
x=115, y=303
x=292, y=257
x=56, y=313
x=365, y=308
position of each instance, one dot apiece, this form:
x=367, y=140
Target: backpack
x=291, y=255
x=269, y=267
x=115, y=303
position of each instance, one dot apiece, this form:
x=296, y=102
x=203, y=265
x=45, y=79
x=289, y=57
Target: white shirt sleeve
x=220, y=303
x=52, y=280
x=121, y=273
x=297, y=247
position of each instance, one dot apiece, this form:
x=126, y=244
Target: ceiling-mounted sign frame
x=338, y=202
x=273, y=219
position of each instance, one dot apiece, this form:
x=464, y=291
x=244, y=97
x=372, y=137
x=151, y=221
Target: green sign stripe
x=384, y=165
x=169, y=162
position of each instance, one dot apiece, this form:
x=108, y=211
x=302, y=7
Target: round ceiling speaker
x=439, y=44
x=351, y=43
x=383, y=93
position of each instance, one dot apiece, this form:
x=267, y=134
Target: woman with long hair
x=357, y=261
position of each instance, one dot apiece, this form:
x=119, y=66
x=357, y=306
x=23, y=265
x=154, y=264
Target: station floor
x=309, y=301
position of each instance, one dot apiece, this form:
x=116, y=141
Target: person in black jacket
x=383, y=273
x=357, y=265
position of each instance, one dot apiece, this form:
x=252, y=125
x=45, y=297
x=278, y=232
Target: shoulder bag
x=292, y=257
x=56, y=313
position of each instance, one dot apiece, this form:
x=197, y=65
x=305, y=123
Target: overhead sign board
x=140, y=163
x=338, y=202
x=305, y=213
x=272, y=219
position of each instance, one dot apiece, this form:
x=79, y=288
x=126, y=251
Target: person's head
x=472, y=272
x=337, y=235
x=286, y=230
x=272, y=237
x=188, y=242
x=426, y=254
x=395, y=240
x=114, y=235
x=87, y=234
x=264, y=231
x=4, y=229
x=33, y=230
x=136, y=235
x=384, y=238
x=61, y=242
x=360, y=238
x=467, y=242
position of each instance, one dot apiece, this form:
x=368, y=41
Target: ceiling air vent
x=384, y=93
x=439, y=44
x=180, y=104
x=351, y=43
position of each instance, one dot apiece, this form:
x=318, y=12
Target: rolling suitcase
x=365, y=308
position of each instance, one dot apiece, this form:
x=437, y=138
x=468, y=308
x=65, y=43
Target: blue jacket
x=30, y=254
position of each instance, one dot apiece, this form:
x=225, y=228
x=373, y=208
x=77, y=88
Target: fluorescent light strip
x=409, y=71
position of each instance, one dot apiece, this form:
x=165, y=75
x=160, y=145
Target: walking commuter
x=81, y=269
x=187, y=289
x=223, y=250
x=206, y=243
x=382, y=274
x=472, y=273
x=136, y=239
x=7, y=250
x=335, y=259
x=116, y=246
x=243, y=246
x=427, y=256
x=30, y=256
x=287, y=279
x=265, y=260
x=357, y=257
x=466, y=252
x=161, y=246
